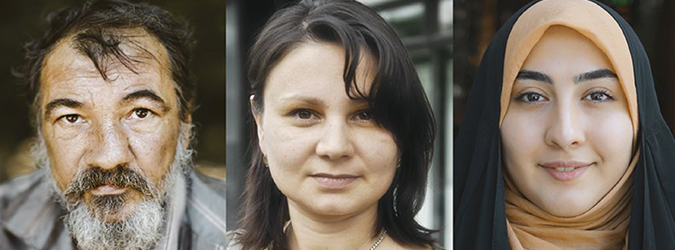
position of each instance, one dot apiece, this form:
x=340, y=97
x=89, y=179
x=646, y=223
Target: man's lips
x=334, y=181
x=566, y=170
x=108, y=190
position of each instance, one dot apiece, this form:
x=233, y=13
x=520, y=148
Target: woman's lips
x=107, y=190
x=566, y=170
x=334, y=181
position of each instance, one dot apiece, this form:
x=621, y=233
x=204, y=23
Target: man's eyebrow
x=533, y=75
x=61, y=102
x=145, y=94
x=596, y=74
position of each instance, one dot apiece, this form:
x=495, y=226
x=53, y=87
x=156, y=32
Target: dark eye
x=141, y=113
x=303, y=114
x=531, y=97
x=72, y=118
x=599, y=96
x=364, y=115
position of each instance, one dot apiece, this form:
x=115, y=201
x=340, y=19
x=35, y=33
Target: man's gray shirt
x=32, y=218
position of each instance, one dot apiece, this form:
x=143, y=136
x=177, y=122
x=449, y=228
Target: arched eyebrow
x=533, y=75
x=596, y=74
x=588, y=76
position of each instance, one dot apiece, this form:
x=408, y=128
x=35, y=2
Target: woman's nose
x=335, y=142
x=565, y=129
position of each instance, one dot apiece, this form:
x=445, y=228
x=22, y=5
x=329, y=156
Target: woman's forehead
x=312, y=66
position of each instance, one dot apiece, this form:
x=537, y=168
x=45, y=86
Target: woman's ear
x=257, y=116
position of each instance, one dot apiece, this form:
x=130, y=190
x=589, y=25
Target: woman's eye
x=599, y=96
x=303, y=114
x=531, y=97
x=364, y=115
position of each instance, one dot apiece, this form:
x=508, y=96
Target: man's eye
x=141, y=113
x=71, y=118
x=530, y=97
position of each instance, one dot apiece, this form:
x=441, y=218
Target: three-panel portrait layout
x=337, y=124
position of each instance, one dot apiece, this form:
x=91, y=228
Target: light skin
x=131, y=120
x=314, y=135
x=567, y=108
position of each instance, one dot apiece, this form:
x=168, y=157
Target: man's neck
x=311, y=231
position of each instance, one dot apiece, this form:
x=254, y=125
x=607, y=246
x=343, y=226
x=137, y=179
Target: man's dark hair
x=98, y=29
x=396, y=98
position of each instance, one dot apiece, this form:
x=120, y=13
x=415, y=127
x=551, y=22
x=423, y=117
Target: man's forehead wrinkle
x=121, y=49
x=64, y=64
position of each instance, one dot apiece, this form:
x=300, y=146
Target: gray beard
x=142, y=229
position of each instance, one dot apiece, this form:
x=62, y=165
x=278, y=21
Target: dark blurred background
x=425, y=26
x=21, y=21
x=476, y=21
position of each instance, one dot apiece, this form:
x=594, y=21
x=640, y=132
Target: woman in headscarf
x=563, y=145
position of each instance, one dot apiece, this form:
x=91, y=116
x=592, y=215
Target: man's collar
x=206, y=210
x=174, y=213
x=33, y=214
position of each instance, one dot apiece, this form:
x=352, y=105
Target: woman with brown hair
x=344, y=134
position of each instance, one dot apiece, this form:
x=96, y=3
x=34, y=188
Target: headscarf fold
x=639, y=216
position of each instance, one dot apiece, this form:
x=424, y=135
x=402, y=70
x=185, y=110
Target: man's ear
x=257, y=116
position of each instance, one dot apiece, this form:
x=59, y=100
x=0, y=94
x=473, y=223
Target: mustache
x=120, y=176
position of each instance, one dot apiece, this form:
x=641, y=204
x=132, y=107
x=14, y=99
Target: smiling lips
x=330, y=181
x=566, y=170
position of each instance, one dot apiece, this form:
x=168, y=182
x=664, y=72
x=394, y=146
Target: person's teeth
x=565, y=169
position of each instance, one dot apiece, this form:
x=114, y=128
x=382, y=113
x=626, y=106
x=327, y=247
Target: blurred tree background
x=21, y=21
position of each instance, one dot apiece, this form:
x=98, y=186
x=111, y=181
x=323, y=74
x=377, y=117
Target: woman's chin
x=567, y=206
x=335, y=206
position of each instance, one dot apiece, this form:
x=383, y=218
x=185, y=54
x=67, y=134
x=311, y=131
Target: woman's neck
x=312, y=231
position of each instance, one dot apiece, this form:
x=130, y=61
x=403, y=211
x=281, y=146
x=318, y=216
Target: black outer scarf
x=479, y=205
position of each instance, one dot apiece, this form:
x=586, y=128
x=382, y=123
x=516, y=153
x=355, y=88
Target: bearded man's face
x=115, y=146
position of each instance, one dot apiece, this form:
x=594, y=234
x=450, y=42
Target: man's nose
x=109, y=146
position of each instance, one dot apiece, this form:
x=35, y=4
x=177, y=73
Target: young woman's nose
x=335, y=141
x=565, y=128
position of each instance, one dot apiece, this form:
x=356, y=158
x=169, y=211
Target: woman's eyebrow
x=310, y=100
x=533, y=75
x=596, y=74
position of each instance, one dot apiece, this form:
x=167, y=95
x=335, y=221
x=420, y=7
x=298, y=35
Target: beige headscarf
x=605, y=225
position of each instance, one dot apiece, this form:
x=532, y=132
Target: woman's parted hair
x=396, y=99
